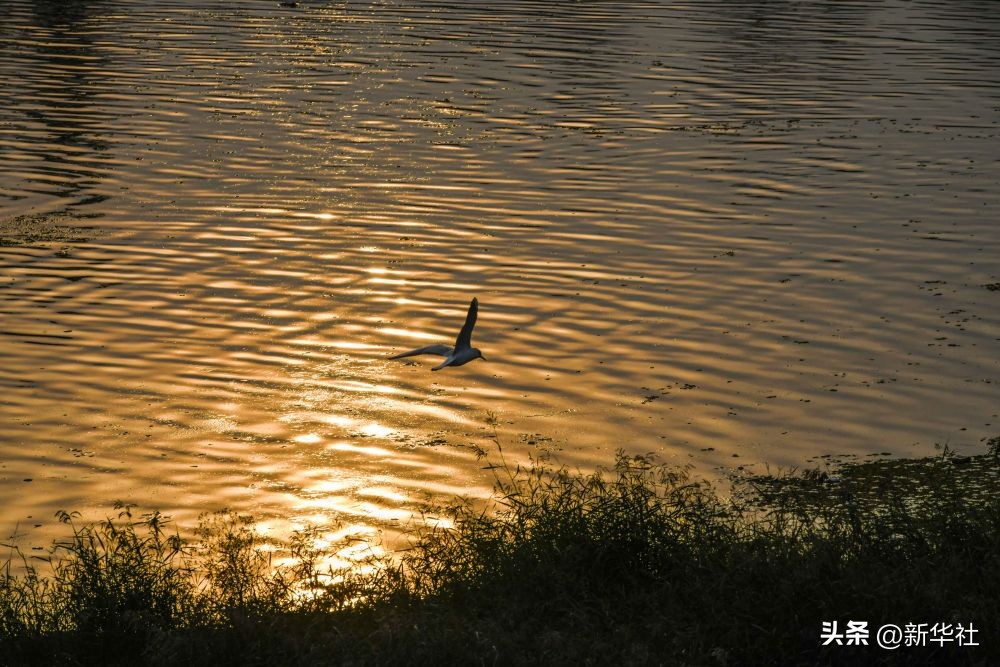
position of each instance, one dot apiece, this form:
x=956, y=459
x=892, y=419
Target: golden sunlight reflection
x=207, y=260
x=370, y=450
x=376, y=431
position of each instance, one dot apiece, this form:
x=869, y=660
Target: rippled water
x=726, y=232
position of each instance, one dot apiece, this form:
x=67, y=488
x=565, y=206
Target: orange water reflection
x=215, y=229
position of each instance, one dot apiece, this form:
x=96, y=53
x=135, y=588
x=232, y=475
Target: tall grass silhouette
x=636, y=564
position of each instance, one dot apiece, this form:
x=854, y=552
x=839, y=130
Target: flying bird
x=462, y=353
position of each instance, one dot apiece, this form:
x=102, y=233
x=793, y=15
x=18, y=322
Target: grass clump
x=638, y=564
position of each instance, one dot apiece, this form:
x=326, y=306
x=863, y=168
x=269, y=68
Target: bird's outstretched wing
x=440, y=350
x=443, y=364
x=464, y=340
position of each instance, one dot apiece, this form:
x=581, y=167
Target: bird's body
x=462, y=353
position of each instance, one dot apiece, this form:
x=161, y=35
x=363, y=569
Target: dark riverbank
x=639, y=565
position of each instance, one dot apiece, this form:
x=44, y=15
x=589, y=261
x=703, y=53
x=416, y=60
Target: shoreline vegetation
x=638, y=564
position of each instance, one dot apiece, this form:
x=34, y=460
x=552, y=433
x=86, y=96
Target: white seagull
x=462, y=353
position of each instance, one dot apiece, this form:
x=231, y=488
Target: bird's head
x=478, y=355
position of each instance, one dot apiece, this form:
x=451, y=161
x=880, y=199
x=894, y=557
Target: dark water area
x=728, y=233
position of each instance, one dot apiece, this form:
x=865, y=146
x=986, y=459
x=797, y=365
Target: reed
x=636, y=564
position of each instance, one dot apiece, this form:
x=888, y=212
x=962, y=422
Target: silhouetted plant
x=638, y=564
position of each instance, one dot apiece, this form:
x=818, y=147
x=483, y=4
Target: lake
x=729, y=233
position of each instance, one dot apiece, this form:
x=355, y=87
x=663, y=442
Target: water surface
x=725, y=232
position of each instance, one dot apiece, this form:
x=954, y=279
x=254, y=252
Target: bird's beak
x=482, y=357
